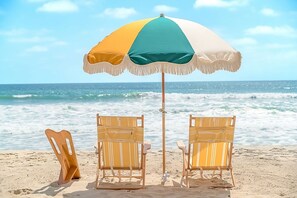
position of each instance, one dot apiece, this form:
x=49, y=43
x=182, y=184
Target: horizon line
x=144, y=82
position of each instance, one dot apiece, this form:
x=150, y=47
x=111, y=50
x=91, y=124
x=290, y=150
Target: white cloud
x=286, y=31
x=119, y=13
x=59, y=43
x=279, y=46
x=29, y=36
x=284, y=56
x=164, y=9
x=35, y=39
x=219, y=3
x=12, y=32
x=58, y=6
x=290, y=54
x=269, y=12
x=244, y=41
x=37, y=48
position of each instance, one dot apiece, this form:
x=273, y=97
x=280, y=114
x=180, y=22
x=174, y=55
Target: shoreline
x=259, y=171
x=169, y=149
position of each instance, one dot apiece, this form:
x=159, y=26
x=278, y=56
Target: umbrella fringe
x=230, y=62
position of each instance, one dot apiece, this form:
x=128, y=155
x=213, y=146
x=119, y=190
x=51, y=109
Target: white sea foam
x=22, y=96
x=266, y=119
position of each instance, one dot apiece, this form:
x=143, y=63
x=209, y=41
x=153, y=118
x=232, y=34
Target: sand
x=259, y=172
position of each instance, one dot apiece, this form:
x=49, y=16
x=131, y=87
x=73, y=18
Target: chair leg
x=143, y=177
x=120, y=178
x=182, y=177
x=97, y=178
x=181, y=181
x=61, y=177
x=187, y=179
x=201, y=174
x=232, y=177
x=213, y=173
x=103, y=173
x=143, y=170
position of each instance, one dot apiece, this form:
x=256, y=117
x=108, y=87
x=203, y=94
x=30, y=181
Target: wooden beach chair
x=62, y=144
x=121, y=151
x=210, y=146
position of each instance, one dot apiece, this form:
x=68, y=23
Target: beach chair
x=121, y=151
x=62, y=144
x=210, y=146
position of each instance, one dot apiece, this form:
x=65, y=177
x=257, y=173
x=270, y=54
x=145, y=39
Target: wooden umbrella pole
x=163, y=119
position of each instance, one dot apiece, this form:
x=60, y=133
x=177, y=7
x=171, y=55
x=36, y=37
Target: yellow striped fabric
x=211, y=129
x=120, y=137
x=211, y=139
x=120, y=155
x=210, y=154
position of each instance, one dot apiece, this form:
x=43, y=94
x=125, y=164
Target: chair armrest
x=146, y=146
x=181, y=146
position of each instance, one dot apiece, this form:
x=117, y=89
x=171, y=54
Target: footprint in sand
x=23, y=191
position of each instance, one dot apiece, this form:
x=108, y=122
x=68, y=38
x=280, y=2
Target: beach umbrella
x=165, y=45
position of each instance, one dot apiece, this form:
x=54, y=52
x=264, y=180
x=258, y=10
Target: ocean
x=266, y=110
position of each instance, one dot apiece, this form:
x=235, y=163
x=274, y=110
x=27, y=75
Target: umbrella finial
x=162, y=15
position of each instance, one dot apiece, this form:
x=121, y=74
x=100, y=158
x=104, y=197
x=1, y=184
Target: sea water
x=266, y=111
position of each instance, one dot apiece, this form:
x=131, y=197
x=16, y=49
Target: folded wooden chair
x=62, y=145
x=210, y=146
x=121, y=150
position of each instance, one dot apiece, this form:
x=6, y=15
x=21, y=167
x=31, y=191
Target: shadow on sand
x=155, y=191
x=53, y=188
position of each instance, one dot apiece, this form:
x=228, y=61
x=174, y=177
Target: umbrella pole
x=163, y=119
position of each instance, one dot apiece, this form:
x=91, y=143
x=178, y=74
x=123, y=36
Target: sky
x=44, y=41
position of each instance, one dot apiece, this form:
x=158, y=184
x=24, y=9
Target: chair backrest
x=62, y=144
x=211, y=141
x=118, y=141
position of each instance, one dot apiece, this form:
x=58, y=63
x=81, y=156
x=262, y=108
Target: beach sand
x=269, y=171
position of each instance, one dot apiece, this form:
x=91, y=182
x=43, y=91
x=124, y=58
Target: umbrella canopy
x=161, y=44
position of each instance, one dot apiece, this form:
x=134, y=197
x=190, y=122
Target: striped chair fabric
x=120, y=138
x=211, y=139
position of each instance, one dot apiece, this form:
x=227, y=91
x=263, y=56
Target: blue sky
x=43, y=41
